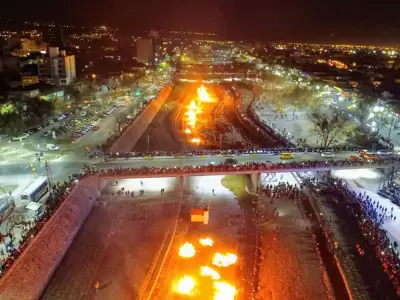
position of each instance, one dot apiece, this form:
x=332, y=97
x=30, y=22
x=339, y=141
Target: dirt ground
x=290, y=267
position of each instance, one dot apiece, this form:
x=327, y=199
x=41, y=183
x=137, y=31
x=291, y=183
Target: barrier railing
x=230, y=153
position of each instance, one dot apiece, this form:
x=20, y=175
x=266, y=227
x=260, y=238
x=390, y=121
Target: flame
x=185, y=285
x=187, y=250
x=224, y=260
x=203, y=95
x=208, y=272
x=188, y=131
x=195, y=140
x=207, y=242
x=224, y=291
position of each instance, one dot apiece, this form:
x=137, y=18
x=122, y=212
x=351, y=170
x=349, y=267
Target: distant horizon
x=330, y=39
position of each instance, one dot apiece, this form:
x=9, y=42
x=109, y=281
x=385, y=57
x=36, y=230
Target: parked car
x=327, y=154
x=52, y=147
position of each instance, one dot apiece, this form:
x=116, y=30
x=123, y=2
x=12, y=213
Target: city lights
x=187, y=250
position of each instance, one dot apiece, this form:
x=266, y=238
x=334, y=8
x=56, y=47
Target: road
x=117, y=244
x=61, y=169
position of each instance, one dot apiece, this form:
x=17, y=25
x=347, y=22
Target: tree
x=120, y=118
x=74, y=98
x=331, y=128
x=363, y=110
x=12, y=124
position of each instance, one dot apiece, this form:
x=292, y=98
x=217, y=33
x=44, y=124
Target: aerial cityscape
x=150, y=158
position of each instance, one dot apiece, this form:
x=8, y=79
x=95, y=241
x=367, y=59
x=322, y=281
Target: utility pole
x=148, y=143
x=49, y=177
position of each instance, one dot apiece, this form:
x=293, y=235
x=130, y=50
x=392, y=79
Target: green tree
x=331, y=128
x=73, y=97
x=59, y=106
x=12, y=124
x=363, y=110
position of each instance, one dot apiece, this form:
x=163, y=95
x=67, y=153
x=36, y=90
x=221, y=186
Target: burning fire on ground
x=192, y=285
x=193, y=110
x=224, y=260
x=187, y=250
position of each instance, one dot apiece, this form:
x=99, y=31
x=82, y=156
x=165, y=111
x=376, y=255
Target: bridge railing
x=241, y=168
x=230, y=153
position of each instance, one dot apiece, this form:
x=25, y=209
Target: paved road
x=60, y=170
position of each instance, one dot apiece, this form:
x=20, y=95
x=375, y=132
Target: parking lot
x=66, y=129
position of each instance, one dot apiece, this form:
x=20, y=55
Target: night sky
x=307, y=20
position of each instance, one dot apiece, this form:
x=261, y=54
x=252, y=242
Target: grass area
x=236, y=184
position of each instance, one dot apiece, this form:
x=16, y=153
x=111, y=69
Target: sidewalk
x=293, y=125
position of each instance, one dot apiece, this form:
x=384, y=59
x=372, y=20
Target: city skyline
x=333, y=21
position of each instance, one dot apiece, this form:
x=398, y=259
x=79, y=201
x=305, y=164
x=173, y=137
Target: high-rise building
x=54, y=36
x=148, y=50
x=57, y=68
x=144, y=50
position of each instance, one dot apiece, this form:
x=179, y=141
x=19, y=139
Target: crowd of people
x=59, y=192
x=245, y=167
x=371, y=216
x=229, y=152
x=391, y=191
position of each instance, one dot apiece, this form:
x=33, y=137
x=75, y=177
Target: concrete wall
x=133, y=133
x=29, y=276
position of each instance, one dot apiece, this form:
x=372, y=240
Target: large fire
x=224, y=291
x=185, y=285
x=224, y=260
x=206, y=242
x=203, y=95
x=208, y=272
x=193, y=110
x=187, y=250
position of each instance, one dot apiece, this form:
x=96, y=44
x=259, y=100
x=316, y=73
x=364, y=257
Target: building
x=144, y=50
x=57, y=68
x=54, y=36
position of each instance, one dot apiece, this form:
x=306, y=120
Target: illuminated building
x=57, y=68
x=144, y=50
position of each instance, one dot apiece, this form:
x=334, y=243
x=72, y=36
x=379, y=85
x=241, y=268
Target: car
x=327, y=154
x=384, y=152
x=39, y=128
x=286, y=155
x=95, y=128
x=50, y=121
x=354, y=158
x=231, y=161
x=46, y=133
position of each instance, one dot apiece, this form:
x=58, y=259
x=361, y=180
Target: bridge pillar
x=255, y=181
